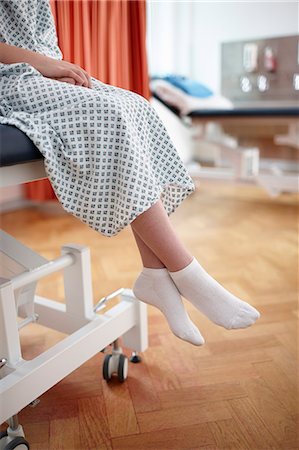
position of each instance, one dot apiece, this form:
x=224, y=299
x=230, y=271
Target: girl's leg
x=156, y=231
x=193, y=282
x=155, y=286
x=149, y=259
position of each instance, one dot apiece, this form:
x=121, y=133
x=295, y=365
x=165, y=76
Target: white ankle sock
x=155, y=287
x=212, y=299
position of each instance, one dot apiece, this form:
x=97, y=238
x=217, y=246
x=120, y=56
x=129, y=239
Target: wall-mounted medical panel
x=261, y=71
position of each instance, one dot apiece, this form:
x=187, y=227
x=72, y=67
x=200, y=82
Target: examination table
x=88, y=332
x=229, y=126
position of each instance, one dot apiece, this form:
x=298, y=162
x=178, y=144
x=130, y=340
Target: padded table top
x=247, y=112
x=278, y=111
x=16, y=147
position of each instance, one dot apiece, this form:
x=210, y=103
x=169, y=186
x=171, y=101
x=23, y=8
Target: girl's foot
x=155, y=287
x=212, y=299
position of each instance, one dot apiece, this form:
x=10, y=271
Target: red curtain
x=108, y=39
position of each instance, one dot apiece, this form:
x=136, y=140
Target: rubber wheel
x=16, y=442
x=106, y=374
x=122, y=371
x=3, y=434
x=135, y=359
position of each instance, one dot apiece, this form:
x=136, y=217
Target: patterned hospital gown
x=106, y=152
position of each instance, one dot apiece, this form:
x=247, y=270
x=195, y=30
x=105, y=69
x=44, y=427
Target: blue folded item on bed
x=191, y=87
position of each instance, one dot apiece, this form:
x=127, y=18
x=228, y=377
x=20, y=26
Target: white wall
x=184, y=37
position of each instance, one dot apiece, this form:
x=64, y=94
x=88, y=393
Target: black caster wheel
x=122, y=371
x=17, y=443
x=107, y=372
x=3, y=434
x=135, y=359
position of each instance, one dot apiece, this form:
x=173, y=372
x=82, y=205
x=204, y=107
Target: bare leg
x=156, y=231
x=149, y=259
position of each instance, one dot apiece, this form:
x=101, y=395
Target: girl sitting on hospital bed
x=111, y=163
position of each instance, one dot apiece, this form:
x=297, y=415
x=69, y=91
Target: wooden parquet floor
x=239, y=391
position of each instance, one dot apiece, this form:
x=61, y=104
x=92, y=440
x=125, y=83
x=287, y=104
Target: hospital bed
x=87, y=327
x=233, y=161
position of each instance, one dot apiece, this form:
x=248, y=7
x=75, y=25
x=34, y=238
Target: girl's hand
x=48, y=67
x=66, y=80
x=62, y=71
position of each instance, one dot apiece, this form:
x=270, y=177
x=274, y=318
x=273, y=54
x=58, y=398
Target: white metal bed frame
x=23, y=381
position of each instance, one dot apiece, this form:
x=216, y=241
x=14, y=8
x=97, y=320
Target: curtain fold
x=108, y=39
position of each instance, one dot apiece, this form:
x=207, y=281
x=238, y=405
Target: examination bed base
x=23, y=381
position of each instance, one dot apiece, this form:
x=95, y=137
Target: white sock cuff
x=181, y=273
x=155, y=272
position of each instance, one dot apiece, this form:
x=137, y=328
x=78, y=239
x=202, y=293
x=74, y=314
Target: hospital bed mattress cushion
x=16, y=147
